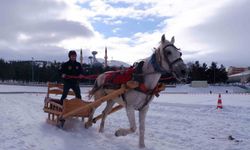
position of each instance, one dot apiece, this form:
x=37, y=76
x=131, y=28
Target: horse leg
x=97, y=95
x=105, y=112
x=90, y=118
x=142, y=116
x=131, y=117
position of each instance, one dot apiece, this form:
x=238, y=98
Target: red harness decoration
x=122, y=77
x=119, y=77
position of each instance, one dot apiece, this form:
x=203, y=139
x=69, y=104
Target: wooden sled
x=55, y=110
x=75, y=107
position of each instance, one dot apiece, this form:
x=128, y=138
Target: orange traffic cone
x=219, y=103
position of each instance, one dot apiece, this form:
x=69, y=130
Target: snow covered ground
x=175, y=122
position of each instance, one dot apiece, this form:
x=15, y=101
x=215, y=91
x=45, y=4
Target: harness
x=156, y=62
x=138, y=75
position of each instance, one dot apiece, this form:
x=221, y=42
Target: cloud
x=204, y=30
x=112, y=11
x=39, y=53
x=182, y=17
x=38, y=25
x=226, y=34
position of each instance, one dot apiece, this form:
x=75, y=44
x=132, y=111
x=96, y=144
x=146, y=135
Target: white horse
x=166, y=58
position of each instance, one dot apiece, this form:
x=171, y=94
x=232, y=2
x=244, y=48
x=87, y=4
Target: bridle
x=158, y=63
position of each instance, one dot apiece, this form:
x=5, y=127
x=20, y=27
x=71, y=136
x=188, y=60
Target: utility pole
x=81, y=57
x=214, y=76
x=106, y=58
x=32, y=69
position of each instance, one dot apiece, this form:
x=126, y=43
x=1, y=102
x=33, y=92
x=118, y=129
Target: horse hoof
x=119, y=133
x=87, y=125
x=142, y=146
x=116, y=134
x=101, y=130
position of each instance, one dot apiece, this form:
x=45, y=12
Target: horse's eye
x=180, y=54
x=169, y=53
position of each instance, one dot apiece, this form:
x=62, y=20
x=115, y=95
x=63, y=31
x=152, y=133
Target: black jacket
x=71, y=68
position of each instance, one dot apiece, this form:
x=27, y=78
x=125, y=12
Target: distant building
x=199, y=84
x=242, y=77
x=235, y=70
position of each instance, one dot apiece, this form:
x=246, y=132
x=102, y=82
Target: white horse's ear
x=163, y=39
x=172, y=40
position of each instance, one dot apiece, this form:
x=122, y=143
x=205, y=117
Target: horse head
x=169, y=59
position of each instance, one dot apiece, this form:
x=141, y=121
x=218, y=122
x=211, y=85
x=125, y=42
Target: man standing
x=71, y=68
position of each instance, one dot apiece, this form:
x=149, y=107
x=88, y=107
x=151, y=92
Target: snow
x=20, y=88
x=213, y=89
x=175, y=121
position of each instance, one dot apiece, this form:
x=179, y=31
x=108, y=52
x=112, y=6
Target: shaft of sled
x=97, y=102
x=115, y=109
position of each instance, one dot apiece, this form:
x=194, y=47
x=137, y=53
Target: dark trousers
x=74, y=86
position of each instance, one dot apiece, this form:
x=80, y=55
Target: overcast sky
x=205, y=30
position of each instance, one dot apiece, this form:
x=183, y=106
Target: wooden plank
x=52, y=122
x=70, y=105
x=54, y=88
x=132, y=84
x=52, y=117
x=55, y=91
x=51, y=85
x=115, y=109
x=49, y=114
x=59, y=91
x=97, y=102
x=52, y=111
x=53, y=104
